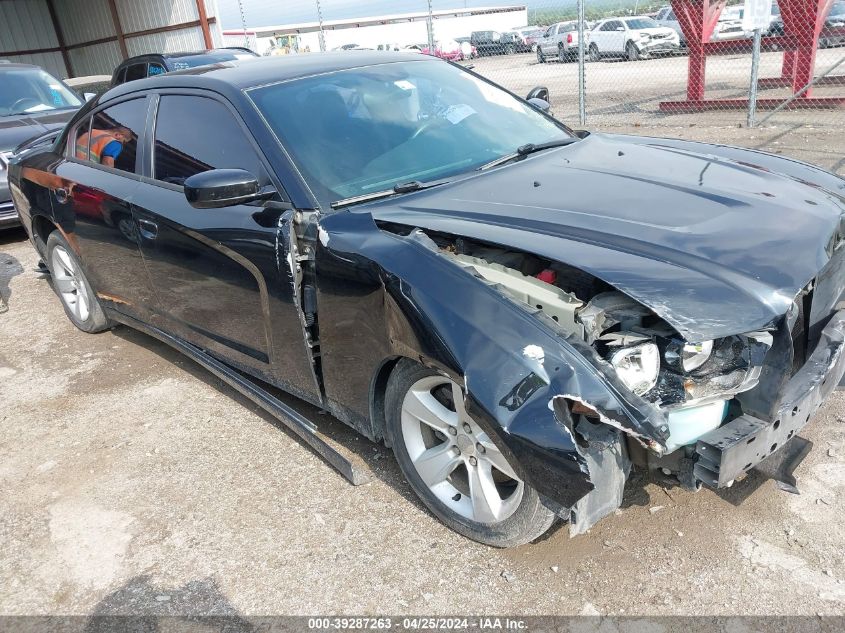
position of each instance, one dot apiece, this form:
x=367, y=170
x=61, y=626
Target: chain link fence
x=678, y=67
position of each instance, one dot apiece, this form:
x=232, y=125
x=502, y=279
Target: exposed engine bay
x=693, y=381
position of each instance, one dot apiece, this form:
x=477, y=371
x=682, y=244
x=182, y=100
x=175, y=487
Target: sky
x=270, y=12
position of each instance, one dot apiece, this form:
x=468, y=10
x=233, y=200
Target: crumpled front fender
x=518, y=370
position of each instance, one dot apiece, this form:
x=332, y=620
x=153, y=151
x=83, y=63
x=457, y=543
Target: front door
x=617, y=37
x=216, y=272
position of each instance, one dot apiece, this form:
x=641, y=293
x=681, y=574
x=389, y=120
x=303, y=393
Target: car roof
x=5, y=64
x=177, y=55
x=244, y=74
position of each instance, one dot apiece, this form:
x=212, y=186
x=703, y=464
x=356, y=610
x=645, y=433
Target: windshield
x=31, y=90
x=361, y=131
x=641, y=23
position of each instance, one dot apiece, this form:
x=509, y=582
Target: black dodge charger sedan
x=522, y=312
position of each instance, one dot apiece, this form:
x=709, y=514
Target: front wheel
x=69, y=282
x=632, y=51
x=541, y=59
x=453, y=466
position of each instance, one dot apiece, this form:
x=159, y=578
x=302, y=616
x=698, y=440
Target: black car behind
x=152, y=64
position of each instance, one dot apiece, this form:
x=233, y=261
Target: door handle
x=62, y=195
x=147, y=229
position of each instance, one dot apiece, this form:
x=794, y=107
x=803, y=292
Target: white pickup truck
x=561, y=41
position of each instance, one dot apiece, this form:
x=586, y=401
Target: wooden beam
x=170, y=27
x=31, y=51
x=118, y=29
x=206, y=32
x=60, y=37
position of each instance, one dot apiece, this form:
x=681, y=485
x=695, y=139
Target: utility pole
x=322, y=36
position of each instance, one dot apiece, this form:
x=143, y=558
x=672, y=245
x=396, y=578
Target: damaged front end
x=686, y=389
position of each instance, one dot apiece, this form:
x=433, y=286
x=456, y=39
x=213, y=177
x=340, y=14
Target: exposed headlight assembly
x=686, y=357
x=638, y=366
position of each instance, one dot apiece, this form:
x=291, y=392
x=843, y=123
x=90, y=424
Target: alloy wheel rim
x=68, y=281
x=454, y=457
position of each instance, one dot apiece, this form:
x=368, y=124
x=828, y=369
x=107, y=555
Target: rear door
x=91, y=204
x=216, y=272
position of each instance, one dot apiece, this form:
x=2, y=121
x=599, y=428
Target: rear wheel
x=509, y=49
x=595, y=55
x=632, y=52
x=452, y=464
x=69, y=282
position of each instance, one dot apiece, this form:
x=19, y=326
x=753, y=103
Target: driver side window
x=212, y=140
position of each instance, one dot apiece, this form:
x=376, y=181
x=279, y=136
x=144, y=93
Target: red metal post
x=57, y=27
x=697, y=19
x=118, y=30
x=803, y=20
x=206, y=32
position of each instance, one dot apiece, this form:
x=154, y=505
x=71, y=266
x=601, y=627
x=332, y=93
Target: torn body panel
x=404, y=298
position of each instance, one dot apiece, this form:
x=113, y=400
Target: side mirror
x=541, y=104
x=539, y=92
x=90, y=95
x=220, y=188
x=620, y=28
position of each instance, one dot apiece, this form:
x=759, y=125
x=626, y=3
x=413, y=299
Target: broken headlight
x=638, y=366
x=720, y=368
x=685, y=357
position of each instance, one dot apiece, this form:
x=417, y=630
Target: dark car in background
x=833, y=33
x=494, y=42
x=152, y=64
x=32, y=103
x=522, y=312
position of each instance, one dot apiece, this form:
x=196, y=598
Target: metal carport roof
x=72, y=38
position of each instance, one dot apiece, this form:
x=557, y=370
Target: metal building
x=75, y=38
x=376, y=30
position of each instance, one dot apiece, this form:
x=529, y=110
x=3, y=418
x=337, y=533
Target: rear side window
x=213, y=140
x=121, y=76
x=136, y=71
x=112, y=140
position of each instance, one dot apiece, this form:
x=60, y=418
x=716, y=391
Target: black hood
x=14, y=130
x=714, y=239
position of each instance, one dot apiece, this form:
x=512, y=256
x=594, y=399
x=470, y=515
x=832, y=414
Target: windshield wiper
x=529, y=148
x=402, y=187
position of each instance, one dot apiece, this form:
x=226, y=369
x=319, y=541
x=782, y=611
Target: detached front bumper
x=659, y=46
x=735, y=448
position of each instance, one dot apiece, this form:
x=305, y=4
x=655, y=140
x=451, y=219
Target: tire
x=70, y=284
x=595, y=55
x=541, y=59
x=461, y=458
x=509, y=49
x=632, y=52
x=561, y=53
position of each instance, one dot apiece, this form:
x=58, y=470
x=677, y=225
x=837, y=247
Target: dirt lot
x=133, y=481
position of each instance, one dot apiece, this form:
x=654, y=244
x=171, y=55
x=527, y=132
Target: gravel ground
x=134, y=482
